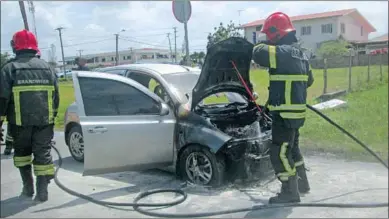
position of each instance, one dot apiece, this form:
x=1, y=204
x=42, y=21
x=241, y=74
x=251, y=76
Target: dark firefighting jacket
x=289, y=76
x=28, y=91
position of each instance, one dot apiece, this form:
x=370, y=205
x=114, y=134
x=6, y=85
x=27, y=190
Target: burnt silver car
x=136, y=129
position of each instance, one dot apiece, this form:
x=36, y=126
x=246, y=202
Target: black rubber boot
x=28, y=181
x=42, y=183
x=303, y=183
x=289, y=192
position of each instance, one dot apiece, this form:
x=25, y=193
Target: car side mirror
x=164, y=109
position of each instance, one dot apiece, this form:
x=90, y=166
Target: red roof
x=359, y=17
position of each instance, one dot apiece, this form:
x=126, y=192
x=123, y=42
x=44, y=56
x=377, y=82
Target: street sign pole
x=186, y=44
x=186, y=36
x=182, y=10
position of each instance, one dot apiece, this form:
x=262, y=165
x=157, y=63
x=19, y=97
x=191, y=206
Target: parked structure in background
x=125, y=57
x=376, y=45
x=313, y=29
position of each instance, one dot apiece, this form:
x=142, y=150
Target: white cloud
x=94, y=27
x=147, y=23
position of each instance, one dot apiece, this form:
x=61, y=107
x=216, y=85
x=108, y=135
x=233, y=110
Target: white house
x=312, y=29
x=125, y=57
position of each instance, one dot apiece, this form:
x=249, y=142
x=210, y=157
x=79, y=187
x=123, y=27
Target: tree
x=333, y=48
x=194, y=57
x=222, y=33
x=201, y=55
x=4, y=58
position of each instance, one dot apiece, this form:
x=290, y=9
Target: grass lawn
x=66, y=98
x=366, y=116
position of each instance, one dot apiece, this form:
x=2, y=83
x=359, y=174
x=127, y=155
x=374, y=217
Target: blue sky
x=90, y=25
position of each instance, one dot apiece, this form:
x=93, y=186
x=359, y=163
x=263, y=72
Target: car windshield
x=182, y=82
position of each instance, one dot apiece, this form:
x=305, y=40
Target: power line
x=77, y=44
x=69, y=45
x=140, y=42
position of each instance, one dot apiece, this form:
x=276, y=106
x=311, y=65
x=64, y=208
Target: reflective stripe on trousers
x=22, y=161
x=44, y=170
x=299, y=163
x=8, y=138
x=16, y=93
x=284, y=160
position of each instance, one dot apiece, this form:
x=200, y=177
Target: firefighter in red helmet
x=290, y=76
x=29, y=101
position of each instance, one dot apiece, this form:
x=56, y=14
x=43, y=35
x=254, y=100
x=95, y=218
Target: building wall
x=248, y=33
x=125, y=57
x=313, y=40
x=352, y=29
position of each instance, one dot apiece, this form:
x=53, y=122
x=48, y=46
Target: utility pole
x=117, y=48
x=170, y=46
x=63, y=56
x=79, y=51
x=32, y=10
x=175, y=44
x=117, y=45
x=239, y=11
x=24, y=16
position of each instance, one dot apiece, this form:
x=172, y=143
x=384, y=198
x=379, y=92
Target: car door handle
x=98, y=129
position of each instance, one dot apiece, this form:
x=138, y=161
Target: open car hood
x=218, y=73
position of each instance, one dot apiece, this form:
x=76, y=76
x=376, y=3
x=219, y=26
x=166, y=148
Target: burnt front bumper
x=248, y=158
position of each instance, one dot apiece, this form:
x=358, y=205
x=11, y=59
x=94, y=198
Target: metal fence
x=350, y=72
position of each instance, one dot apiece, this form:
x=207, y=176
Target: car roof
x=159, y=68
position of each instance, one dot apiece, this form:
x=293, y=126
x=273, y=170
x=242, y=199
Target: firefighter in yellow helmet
x=29, y=100
x=290, y=76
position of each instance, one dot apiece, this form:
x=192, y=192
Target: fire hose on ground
x=137, y=205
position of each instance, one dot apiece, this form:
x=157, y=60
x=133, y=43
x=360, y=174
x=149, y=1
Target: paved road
x=329, y=178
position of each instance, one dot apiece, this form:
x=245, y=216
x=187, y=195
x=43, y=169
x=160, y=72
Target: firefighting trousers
x=36, y=141
x=285, y=153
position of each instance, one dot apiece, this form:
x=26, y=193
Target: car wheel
x=199, y=166
x=76, y=143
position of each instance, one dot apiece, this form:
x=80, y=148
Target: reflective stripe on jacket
x=289, y=77
x=30, y=87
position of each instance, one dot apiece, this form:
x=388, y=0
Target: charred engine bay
x=247, y=154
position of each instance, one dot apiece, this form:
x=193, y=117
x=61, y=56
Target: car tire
x=217, y=165
x=76, y=143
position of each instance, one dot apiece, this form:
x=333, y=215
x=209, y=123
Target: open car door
x=124, y=125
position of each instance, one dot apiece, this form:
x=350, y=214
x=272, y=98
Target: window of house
x=103, y=60
x=104, y=97
x=361, y=31
x=306, y=30
x=326, y=28
x=128, y=57
x=258, y=28
x=342, y=28
x=111, y=58
x=124, y=57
